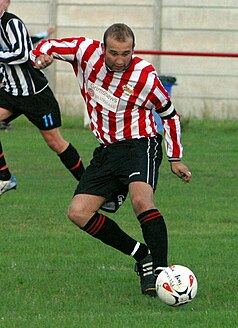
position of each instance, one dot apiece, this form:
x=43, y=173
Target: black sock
x=4, y=171
x=155, y=235
x=106, y=230
x=140, y=251
x=71, y=160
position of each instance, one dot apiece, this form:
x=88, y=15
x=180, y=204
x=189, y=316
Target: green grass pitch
x=54, y=275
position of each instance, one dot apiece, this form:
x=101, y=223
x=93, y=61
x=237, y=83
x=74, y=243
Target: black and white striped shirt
x=20, y=77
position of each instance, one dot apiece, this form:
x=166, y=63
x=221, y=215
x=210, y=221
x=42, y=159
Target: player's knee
x=74, y=216
x=138, y=202
x=141, y=204
x=78, y=215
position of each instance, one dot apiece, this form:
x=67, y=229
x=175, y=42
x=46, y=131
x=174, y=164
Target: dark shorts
x=41, y=109
x=115, y=166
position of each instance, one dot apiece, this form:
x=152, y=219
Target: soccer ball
x=176, y=285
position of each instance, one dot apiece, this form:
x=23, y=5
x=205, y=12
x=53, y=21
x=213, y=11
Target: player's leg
x=96, y=185
x=68, y=155
x=5, y=124
x=146, y=156
x=83, y=212
x=54, y=140
x=151, y=221
x=43, y=111
x=7, y=180
x=141, y=166
x=154, y=232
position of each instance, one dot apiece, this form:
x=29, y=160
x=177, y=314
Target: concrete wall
x=206, y=86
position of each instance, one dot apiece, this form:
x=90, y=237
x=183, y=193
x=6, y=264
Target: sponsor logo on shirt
x=128, y=89
x=103, y=97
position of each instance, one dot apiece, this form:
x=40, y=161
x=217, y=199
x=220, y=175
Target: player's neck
x=2, y=13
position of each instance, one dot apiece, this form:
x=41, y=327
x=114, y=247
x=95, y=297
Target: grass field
x=54, y=275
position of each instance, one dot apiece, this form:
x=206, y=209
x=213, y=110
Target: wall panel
x=204, y=84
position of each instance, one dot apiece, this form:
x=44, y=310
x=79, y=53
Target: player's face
x=118, y=54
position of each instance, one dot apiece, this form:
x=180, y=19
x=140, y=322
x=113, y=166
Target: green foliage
x=54, y=275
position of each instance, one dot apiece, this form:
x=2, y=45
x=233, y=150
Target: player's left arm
x=181, y=170
x=174, y=148
x=172, y=134
x=173, y=144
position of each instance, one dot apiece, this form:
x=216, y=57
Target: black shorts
x=115, y=166
x=41, y=109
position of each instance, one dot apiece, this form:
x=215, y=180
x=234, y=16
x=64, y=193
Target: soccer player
x=121, y=90
x=5, y=125
x=26, y=91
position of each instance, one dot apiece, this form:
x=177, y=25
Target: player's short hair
x=119, y=32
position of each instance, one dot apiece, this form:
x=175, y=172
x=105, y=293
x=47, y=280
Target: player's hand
x=181, y=171
x=43, y=61
x=51, y=30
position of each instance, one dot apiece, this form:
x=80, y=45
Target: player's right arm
x=63, y=49
x=18, y=50
x=43, y=61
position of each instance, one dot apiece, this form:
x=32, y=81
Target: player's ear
x=103, y=48
x=133, y=48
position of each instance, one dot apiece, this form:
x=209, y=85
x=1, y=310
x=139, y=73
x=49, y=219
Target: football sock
x=4, y=171
x=155, y=235
x=71, y=160
x=140, y=251
x=106, y=230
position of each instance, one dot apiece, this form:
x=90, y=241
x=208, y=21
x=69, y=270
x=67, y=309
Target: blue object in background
x=168, y=82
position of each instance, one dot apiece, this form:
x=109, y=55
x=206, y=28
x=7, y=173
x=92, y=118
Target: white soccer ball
x=176, y=285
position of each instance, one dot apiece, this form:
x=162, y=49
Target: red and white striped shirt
x=119, y=104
